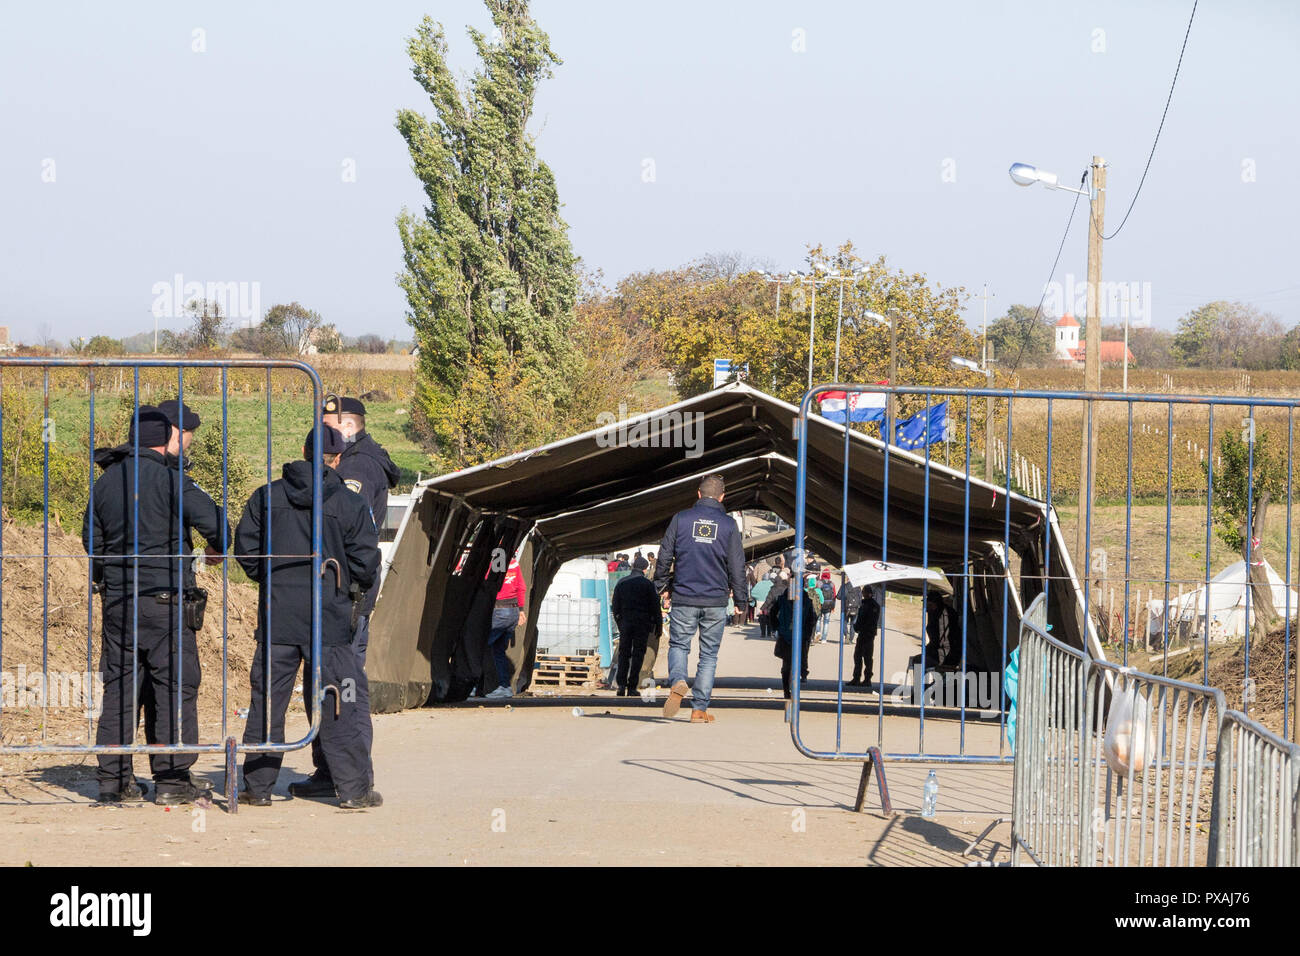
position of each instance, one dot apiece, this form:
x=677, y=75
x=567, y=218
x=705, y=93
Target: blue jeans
x=504, y=622
x=682, y=624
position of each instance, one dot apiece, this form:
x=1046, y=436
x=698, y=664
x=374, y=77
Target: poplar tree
x=489, y=271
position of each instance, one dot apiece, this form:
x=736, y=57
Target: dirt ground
x=533, y=782
x=63, y=721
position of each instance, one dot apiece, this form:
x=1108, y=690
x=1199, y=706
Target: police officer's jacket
x=366, y=469
x=347, y=535
x=635, y=604
x=108, y=532
x=703, y=550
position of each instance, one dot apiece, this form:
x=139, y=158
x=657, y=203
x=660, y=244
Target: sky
x=148, y=147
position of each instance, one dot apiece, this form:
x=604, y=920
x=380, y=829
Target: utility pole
x=838, y=323
x=988, y=417
x=812, y=326
x=1091, y=359
x=893, y=370
x=988, y=401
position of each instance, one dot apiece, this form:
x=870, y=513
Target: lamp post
x=988, y=412
x=839, y=320
x=892, y=322
x=788, y=280
x=812, y=279
x=1026, y=175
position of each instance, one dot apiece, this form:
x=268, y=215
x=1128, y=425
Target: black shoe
x=179, y=794
x=317, y=785
x=131, y=793
x=250, y=799
x=366, y=801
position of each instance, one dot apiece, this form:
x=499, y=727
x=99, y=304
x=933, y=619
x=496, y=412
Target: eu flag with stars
x=926, y=427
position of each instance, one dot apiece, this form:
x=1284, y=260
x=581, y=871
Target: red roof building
x=1070, y=352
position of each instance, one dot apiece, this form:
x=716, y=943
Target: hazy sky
x=254, y=143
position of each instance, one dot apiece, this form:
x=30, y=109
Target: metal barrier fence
x=1128, y=552
x=1113, y=767
x=1049, y=789
x=59, y=406
x=1256, y=818
x=1150, y=809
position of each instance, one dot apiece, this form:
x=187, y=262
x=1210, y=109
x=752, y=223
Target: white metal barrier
x=1256, y=817
x=1113, y=767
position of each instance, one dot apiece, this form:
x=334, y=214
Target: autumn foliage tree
x=698, y=315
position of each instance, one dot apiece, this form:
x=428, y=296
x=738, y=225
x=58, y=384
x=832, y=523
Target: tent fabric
x=615, y=487
x=760, y=546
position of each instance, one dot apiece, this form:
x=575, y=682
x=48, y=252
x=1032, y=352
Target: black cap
x=343, y=406
x=155, y=429
x=332, y=442
x=179, y=415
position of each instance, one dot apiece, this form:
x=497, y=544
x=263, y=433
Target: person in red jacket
x=512, y=600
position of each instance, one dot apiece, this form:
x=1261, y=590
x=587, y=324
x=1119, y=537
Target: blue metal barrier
x=1045, y=563
x=228, y=744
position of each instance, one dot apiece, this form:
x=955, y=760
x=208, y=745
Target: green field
x=247, y=427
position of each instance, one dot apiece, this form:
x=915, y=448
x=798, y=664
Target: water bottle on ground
x=930, y=794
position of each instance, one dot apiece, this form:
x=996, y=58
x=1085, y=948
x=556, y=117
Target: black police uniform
x=109, y=536
x=635, y=606
x=366, y=469
x=349, y=537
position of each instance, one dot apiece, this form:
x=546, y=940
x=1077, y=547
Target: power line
x=1024, y=338
x=1151, y=155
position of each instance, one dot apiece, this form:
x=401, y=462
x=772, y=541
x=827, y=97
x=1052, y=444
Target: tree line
x=1217, y=335
x=286, y=329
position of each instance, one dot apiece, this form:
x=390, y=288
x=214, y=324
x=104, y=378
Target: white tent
x=1228, y=601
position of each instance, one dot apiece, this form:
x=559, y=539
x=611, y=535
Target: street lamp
x=967, y=364
x=1026, y=175
x=779, y=280
x=839, y=320
x=893, y=365
x=812, y=279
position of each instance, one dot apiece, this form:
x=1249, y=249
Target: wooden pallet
x=566, y=670
x=568, y=659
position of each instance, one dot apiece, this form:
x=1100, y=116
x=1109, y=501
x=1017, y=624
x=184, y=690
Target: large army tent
x=616, y=486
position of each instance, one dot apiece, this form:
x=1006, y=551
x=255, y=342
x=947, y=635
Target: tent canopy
x=617, y=486
x=1229, y=597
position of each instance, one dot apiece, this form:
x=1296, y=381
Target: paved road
x=533, y=783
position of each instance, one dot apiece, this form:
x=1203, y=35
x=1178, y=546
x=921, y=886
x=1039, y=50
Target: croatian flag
x=863, y=406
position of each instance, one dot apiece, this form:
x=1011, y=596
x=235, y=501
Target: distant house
x=5, y=344
x=1070, y=353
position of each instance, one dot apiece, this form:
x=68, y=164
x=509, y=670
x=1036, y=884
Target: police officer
x=350, y=563
x=367, y=470
x=144, y=596
x=703, y=552
x=181, y=417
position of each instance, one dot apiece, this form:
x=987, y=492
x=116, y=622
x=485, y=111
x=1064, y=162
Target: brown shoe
x=701, y=717
x=675, y=697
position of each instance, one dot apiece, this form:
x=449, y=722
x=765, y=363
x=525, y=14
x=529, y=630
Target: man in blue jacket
x=703, y=552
